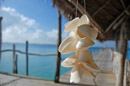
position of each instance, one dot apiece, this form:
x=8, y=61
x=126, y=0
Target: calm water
x=39, y=66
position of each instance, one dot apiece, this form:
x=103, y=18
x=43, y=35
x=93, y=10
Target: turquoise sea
x=39, y=66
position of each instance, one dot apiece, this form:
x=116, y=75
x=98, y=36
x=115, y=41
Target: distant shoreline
x=48, y=44
x=55, y=45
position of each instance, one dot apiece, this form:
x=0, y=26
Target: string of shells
x=81, y=37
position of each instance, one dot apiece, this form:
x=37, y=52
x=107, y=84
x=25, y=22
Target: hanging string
x=76, y=8
x=85, y=6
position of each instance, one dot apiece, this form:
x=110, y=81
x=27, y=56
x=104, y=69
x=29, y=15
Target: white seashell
x=75, y=35
x=84, y=20
x=72, y=25
x=84, y=43
x=75, y=74
x=68, y=45
x=78, y=72
x=90, y=64
x=84, y=55
x=70, y=61
x=72, y=34
x=87, y=31
x=85, y=71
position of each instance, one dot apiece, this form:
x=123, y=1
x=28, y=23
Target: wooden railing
x=21, y=52
x=15, y=57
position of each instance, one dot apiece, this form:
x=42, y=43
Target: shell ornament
x=82, y=36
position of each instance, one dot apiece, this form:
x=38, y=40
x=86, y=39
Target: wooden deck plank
x=16, y=80
x=105, y=75
x=32, y=82
x=5, y=79
x=103, y=79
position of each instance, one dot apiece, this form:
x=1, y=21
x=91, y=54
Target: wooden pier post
x=0, y=36
x=58, y=53
x=16, y=64
x=123, y=51
x=14, y=60
x=27, y=65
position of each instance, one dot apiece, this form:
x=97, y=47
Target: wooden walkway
x=105, y=75
x=101, y=79
x=17, y=80
x=108, y=70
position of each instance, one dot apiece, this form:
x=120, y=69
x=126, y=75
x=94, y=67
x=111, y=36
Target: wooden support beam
x=84, y=11
x=27, y=59
x=123, y=4
x=96, y=12
x=119, y=22
x=0, y=35
x=123, y=51
x=58, y=53
x=115, y=21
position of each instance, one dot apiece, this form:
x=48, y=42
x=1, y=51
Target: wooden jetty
x=109, y=70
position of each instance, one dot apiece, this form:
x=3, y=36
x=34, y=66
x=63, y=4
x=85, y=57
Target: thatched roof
x=106, y=15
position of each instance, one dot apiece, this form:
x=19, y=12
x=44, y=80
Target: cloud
x=18, y=28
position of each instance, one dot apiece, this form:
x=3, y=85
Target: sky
x=33, y=20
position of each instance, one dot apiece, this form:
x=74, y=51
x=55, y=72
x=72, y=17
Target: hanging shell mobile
x=82, y=36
